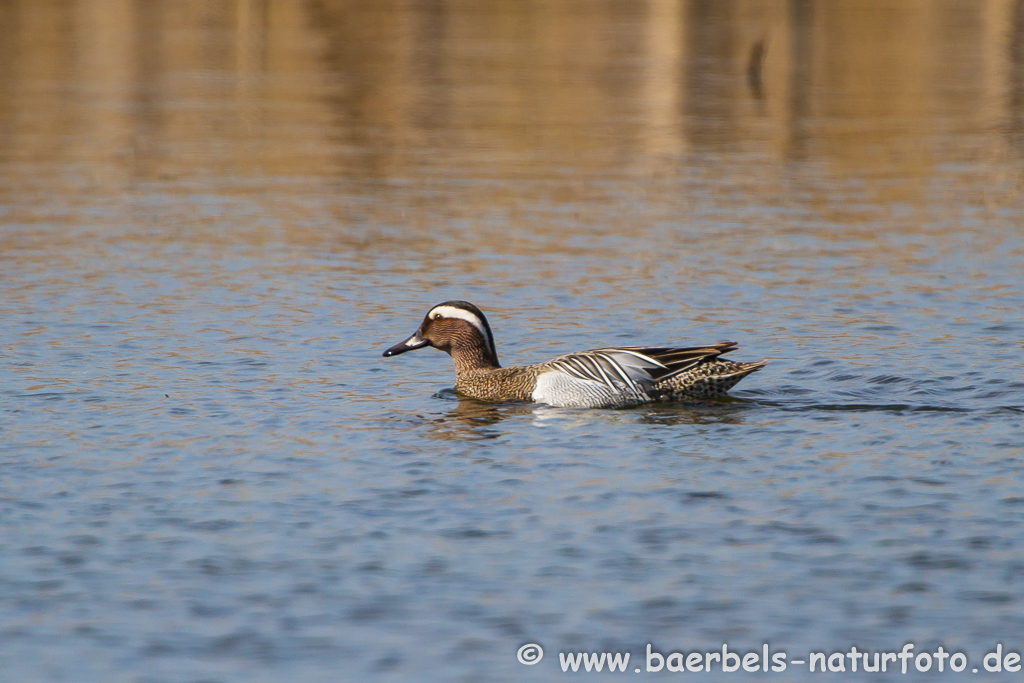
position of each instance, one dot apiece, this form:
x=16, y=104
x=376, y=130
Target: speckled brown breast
x=500, y=384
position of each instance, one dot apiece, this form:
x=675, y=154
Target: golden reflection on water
x=100, y=97
x=606, y=83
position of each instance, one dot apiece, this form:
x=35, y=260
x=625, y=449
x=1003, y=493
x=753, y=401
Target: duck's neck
x=472, y=359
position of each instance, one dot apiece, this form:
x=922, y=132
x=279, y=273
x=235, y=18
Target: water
x=214, y=217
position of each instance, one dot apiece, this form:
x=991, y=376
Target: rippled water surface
x=214, y=217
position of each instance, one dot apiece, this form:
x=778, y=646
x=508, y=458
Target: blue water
x=209, y=473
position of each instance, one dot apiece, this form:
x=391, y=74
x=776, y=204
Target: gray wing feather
x=614, y=368
x=615, y=377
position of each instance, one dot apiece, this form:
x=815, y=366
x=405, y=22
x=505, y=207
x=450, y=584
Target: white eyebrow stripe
x=452, y=312
x=471, y=318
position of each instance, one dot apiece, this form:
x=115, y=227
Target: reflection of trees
x=385, y=89
x=1016, y=77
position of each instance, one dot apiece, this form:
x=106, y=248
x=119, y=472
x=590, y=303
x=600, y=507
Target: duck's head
x=455, y=327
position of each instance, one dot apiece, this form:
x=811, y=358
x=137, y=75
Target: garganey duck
x=601, y=378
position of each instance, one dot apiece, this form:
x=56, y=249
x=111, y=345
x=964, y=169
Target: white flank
x=549, y=389
x=559, y=388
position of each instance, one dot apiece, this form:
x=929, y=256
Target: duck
x=613, y=377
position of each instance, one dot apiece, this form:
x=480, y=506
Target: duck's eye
x=438, y=316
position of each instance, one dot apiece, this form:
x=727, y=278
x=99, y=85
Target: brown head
x=458, y=328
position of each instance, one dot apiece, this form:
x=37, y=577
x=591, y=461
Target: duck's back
x=710, y=379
